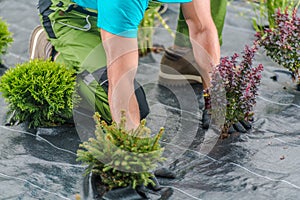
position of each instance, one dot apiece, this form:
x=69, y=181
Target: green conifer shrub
x=39, y=92
x=5, y=38
x=120, y=157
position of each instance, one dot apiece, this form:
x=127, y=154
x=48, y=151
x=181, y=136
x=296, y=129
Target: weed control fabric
x=260, y=164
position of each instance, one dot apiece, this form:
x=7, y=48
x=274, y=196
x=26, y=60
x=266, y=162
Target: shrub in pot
x=39, y=92
x=240, y=81
x=5, y=38
x=119, y=157
x=265, y=11
x=282, y=43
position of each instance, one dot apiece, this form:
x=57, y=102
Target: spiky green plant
x=5, y=37
x=39, y=92
x=146, y=27
x=121, y=158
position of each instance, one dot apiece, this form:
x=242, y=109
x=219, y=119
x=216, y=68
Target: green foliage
x=146, y=26
x=39, y=92
x=282, y=43
x=5, y=37
x=240, y=81
x=121, y=157
x=265, y=10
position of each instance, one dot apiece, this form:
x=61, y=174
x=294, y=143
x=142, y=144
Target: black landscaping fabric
x=261, y=164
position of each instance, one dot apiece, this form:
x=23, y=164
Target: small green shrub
x=39, y=92
x=121, y=158
x=5, y=37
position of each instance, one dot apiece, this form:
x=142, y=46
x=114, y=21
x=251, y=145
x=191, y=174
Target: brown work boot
x=39, y=45
x=178, y=66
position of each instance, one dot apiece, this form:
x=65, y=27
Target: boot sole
x=39, y=45
x=178, y=79
x=34, y=40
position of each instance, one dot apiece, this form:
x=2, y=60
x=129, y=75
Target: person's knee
x=196, y=27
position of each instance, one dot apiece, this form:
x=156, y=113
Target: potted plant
x=240, y=81
x=39, y=92
x=265, y=11
x=282, y=42
x=5, y=38
x=121, y=158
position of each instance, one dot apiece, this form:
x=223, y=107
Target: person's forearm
x=122, y=62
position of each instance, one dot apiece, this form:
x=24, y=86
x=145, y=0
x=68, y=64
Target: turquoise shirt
x=120, y=17
x=174, y=1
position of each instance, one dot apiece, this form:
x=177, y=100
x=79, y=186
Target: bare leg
x=122, y=62
x=203, y=36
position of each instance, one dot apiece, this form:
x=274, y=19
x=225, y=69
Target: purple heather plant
x=240, y=81
x=282, y=43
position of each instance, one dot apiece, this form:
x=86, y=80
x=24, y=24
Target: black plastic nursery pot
x=2, y=69
x=101, y=192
